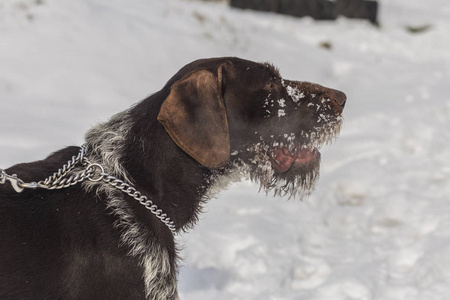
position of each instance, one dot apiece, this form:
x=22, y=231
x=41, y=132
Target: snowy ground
x=378, y=224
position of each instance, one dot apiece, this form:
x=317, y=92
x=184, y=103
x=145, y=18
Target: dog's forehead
x=246, y=68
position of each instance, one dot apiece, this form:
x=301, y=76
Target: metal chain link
x=57, y=180
x=132, y=192
x=93, y=172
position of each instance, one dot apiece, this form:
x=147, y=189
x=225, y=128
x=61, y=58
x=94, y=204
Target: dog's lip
x=282, y=159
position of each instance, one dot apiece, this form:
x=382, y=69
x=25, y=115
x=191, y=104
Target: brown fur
x=213, y=118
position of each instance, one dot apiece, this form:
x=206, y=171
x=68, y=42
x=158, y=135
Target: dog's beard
x=288, y=164
x=297, y=182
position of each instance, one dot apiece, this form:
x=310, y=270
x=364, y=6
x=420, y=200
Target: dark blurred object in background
x=317, y=9
x=359, y=9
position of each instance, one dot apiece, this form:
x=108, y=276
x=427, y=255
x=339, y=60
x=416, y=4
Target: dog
x=81, y=234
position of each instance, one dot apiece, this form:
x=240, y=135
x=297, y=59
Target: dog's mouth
x=283, y=159
x=287, y=163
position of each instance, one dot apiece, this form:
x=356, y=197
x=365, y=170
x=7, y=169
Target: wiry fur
x=107, y=142
x=159, y=276
x=262, y=172
x=96, y=242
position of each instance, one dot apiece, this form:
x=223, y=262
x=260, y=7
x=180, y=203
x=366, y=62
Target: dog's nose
x=339, y=99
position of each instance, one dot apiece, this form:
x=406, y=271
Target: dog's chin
x=294, y=172
x=282, y=172
x=285, y=159
x=299, y=179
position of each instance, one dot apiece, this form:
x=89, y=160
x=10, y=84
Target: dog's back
x=50, y=242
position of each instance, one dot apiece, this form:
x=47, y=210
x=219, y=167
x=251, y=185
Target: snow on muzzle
x=299, y=90
x=321, y=109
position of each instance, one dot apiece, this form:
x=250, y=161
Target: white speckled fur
x=105, y=142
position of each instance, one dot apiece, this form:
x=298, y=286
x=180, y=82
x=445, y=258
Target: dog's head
x=232, y=113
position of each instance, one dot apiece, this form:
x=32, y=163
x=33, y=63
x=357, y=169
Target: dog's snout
x=337, y=98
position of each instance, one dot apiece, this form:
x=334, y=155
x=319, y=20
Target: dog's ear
x=194, y=116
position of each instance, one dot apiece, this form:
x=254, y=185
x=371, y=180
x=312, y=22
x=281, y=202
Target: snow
x=378, y=224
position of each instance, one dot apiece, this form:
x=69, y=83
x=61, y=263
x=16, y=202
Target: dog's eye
x=269, y=85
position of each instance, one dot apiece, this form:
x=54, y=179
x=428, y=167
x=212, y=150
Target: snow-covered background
x=378, y=224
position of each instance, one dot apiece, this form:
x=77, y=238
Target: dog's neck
x=130, y=151
x=106, y=143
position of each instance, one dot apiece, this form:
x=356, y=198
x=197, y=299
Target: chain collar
x=93, y=172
